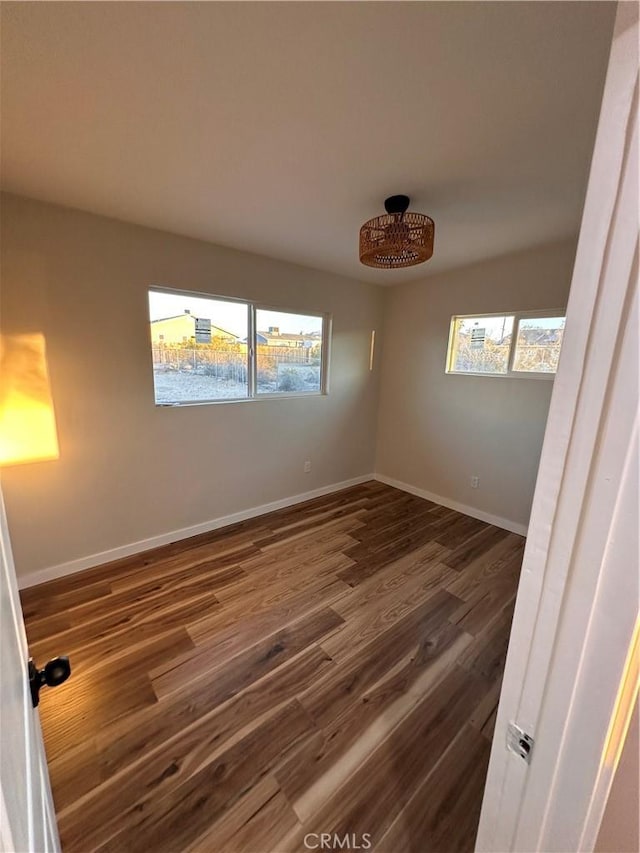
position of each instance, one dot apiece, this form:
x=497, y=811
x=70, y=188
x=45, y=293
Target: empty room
x=317, y=320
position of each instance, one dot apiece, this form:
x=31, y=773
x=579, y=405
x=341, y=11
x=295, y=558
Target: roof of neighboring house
x=541, y=336
x=531, y=337
x=173, y=317
x=310, y=336
x=224, y=331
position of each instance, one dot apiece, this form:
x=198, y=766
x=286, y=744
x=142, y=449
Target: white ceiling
x=278, y=128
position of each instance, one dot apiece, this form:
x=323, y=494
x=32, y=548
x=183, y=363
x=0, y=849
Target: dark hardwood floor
x=329, y=668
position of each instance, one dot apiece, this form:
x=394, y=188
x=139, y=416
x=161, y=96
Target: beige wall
x=435, y=430
x=127, y=469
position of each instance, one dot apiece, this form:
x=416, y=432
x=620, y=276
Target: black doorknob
x=54, y=673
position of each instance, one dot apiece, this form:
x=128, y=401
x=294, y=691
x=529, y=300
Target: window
x=289, y=352
x=480, y=344
x=207, y=349
x=516, y=344
x=538, y=343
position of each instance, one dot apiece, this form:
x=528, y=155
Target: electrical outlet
x=475, y=482
x=307, y=466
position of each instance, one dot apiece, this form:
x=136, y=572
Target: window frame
x=253, y=306
x=510, y=372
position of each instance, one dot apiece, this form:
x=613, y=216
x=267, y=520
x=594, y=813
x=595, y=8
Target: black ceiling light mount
x=398, y=238
x=397, y=204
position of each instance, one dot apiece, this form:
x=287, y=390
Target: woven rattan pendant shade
x=398, y=238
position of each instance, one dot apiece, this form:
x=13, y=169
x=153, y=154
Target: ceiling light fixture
x=398, y=238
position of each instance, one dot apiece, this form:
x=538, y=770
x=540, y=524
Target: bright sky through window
x=228, y=315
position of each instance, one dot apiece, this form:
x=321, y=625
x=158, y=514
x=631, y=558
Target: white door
x=27, y=817
x=571, y=673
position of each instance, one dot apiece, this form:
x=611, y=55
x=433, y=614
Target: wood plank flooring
x=329, y=668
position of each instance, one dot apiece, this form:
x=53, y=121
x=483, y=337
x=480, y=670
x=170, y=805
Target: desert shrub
x=290, y=380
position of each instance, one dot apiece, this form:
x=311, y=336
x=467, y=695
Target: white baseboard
x=498, y=521
x=79, y=565
x=82, y=563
